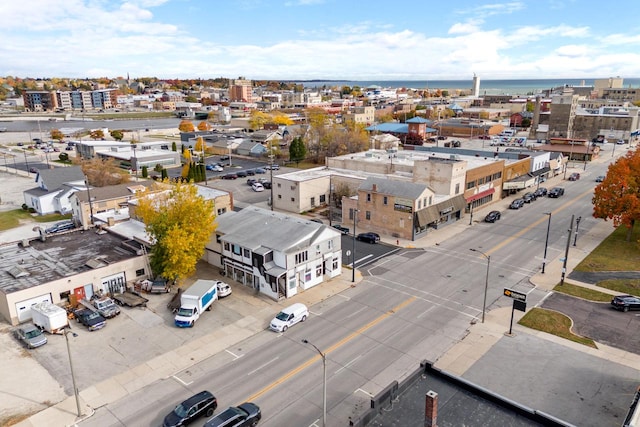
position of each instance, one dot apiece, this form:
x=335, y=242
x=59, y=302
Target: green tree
x=174, y=146
x=181, y=222
x=57, y=135
x=117, y=134
x=145, y=172
x=190, y=98
x=618, y=196
x=64, y=157
x=297, y=150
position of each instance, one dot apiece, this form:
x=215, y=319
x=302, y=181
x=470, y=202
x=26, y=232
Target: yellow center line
x=334, y=347
x=535, y=224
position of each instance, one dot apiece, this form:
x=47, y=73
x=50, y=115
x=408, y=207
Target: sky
x=320, y=39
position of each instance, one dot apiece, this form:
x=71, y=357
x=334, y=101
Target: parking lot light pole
x=353, y=263
x=73, y=377
x=546, y=242
x=486, y=281
x=324, y=382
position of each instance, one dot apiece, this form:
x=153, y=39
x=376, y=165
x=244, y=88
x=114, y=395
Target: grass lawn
x=614, y=253
x=625, y=286
x=584, y=293
x=13, y=218
x=554, y=323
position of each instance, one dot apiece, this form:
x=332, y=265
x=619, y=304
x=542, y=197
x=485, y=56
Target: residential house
x=276, y=254
x=54, y=188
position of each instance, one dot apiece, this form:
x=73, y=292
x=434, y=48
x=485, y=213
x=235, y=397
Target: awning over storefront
x=519, y=183
x=480, y=195
x=434, y=213
x=541, y=171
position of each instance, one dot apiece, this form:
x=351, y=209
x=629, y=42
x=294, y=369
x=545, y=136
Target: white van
x=508, y=132
x=288, y=317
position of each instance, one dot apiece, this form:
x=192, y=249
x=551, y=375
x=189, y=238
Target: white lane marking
x=361, y=259
x=262, y=366
x=182, y=382
x=348, y=364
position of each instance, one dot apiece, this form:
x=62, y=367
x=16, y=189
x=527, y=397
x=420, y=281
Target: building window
x=279, y=185
x=480, y=181
x=237, y=250
x=293, y=199
x=323, y=198
x=330, y=244
x=457, y=188
x=226, y=246
x=487, y=179
x=313, y=202
x=293, y=188
x=385, y=200
x=471, y=184
x=334, y=266
x=318, y=270
x=430, y=201
x=368, y=197
x=368, y=215
x=217, y=238
x=279, y=196
x=301, y=257
x=247, y=254
x=419, y=204
x=140, y=272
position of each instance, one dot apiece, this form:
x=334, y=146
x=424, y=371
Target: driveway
x=599, y=321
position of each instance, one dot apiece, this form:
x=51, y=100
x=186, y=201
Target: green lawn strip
x=625, y=286
x=614, y=253
x=553, y=323
x=13, y=218
x=582, y=292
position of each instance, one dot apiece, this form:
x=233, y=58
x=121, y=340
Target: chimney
x=431, y=409
x=374, y=188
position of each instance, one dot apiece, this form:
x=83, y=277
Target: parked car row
x=205, y=404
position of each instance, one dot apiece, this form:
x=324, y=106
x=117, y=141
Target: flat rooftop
x=409, y=157
x=60, y=255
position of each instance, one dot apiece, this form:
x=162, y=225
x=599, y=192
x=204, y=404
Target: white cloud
x=493, y=9
x=470, y=26
x=572, y=50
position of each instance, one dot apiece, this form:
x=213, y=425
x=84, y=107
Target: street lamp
x=353, y=264
x=73, y=377
x=134, y=163
x=324, y=382
x=575, y=237
x=486, y=281
x=546, y=242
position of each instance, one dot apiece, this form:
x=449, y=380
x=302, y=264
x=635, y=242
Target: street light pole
x=134, y=163
x=546, y=242
x=486, y=281
x=324, y=382
x=73, y=377
x=353, y=263
x=566, y=251
x=575, y=237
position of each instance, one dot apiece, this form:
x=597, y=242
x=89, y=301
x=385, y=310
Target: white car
x=224, y=289
x=289, y=316
x=256, y=186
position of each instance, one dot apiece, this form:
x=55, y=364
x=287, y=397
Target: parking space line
x=235, y=356
x=181, y=382
x=351, y=362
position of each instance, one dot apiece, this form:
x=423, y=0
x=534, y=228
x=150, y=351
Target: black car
x=556, y=192
x=250, y=172
x=528, y=197
x=492, y=216
x=244, y=415
x=203, y=403
x=242, y=174
x=540, y=192
x=91, y=319
x=230, y=176
x=343, y=230
x=368, y=237
x=516, y=204
x=600, y=178
x=626, y=302
x=224, y=157
x=267, y=185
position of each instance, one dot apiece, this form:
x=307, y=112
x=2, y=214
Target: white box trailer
x=194, y=301
x=49, y=317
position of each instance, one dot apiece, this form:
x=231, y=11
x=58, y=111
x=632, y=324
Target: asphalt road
x=599, y=321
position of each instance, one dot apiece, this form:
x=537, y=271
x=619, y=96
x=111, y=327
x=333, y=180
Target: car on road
x=33, y=170
x=540, y=192
x=368, y=237
x=257, y=187
x=288, y=317
x=30, y=336
x=340, y=228
x=626, y=302
x=242, y=174
x=245, y=415
x=230, y=176
x=250, y=172
x=442, y=137
x=486, y=137
x=492, y=216
x=273, y=167
x=224, y=290
x=201, y=404
x=600, y=178
x=91, y=319
x=529, y=197
x=556, y=192
x=214, y=168
x=516, y=204
x=620, y=141
x=574, y=176
x=69, y=148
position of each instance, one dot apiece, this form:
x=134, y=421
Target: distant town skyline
x=319, y=39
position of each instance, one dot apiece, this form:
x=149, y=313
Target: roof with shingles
x=54, y=178
x=409, y=190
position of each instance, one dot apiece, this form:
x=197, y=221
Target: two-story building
x=54, y=188
x=276, y=254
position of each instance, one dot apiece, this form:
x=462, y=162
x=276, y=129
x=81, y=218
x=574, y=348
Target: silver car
x=30, y=336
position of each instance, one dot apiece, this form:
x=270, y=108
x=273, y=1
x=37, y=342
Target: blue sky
x=320, y=39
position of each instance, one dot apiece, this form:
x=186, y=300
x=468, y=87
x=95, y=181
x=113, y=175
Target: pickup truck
x=106, y=307
x=91, y=319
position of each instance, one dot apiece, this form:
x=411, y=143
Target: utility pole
x=270, y=176
x=566, y=251
x=575, y=237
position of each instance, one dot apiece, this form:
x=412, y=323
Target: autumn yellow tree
x=258, y=119
x=186, y=126
x=57, y=135
x=203, y=126
x=281, y=119
x=181, y=223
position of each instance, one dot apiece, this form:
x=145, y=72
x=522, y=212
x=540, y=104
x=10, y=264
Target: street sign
x=519, y=305
x=519, y=296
